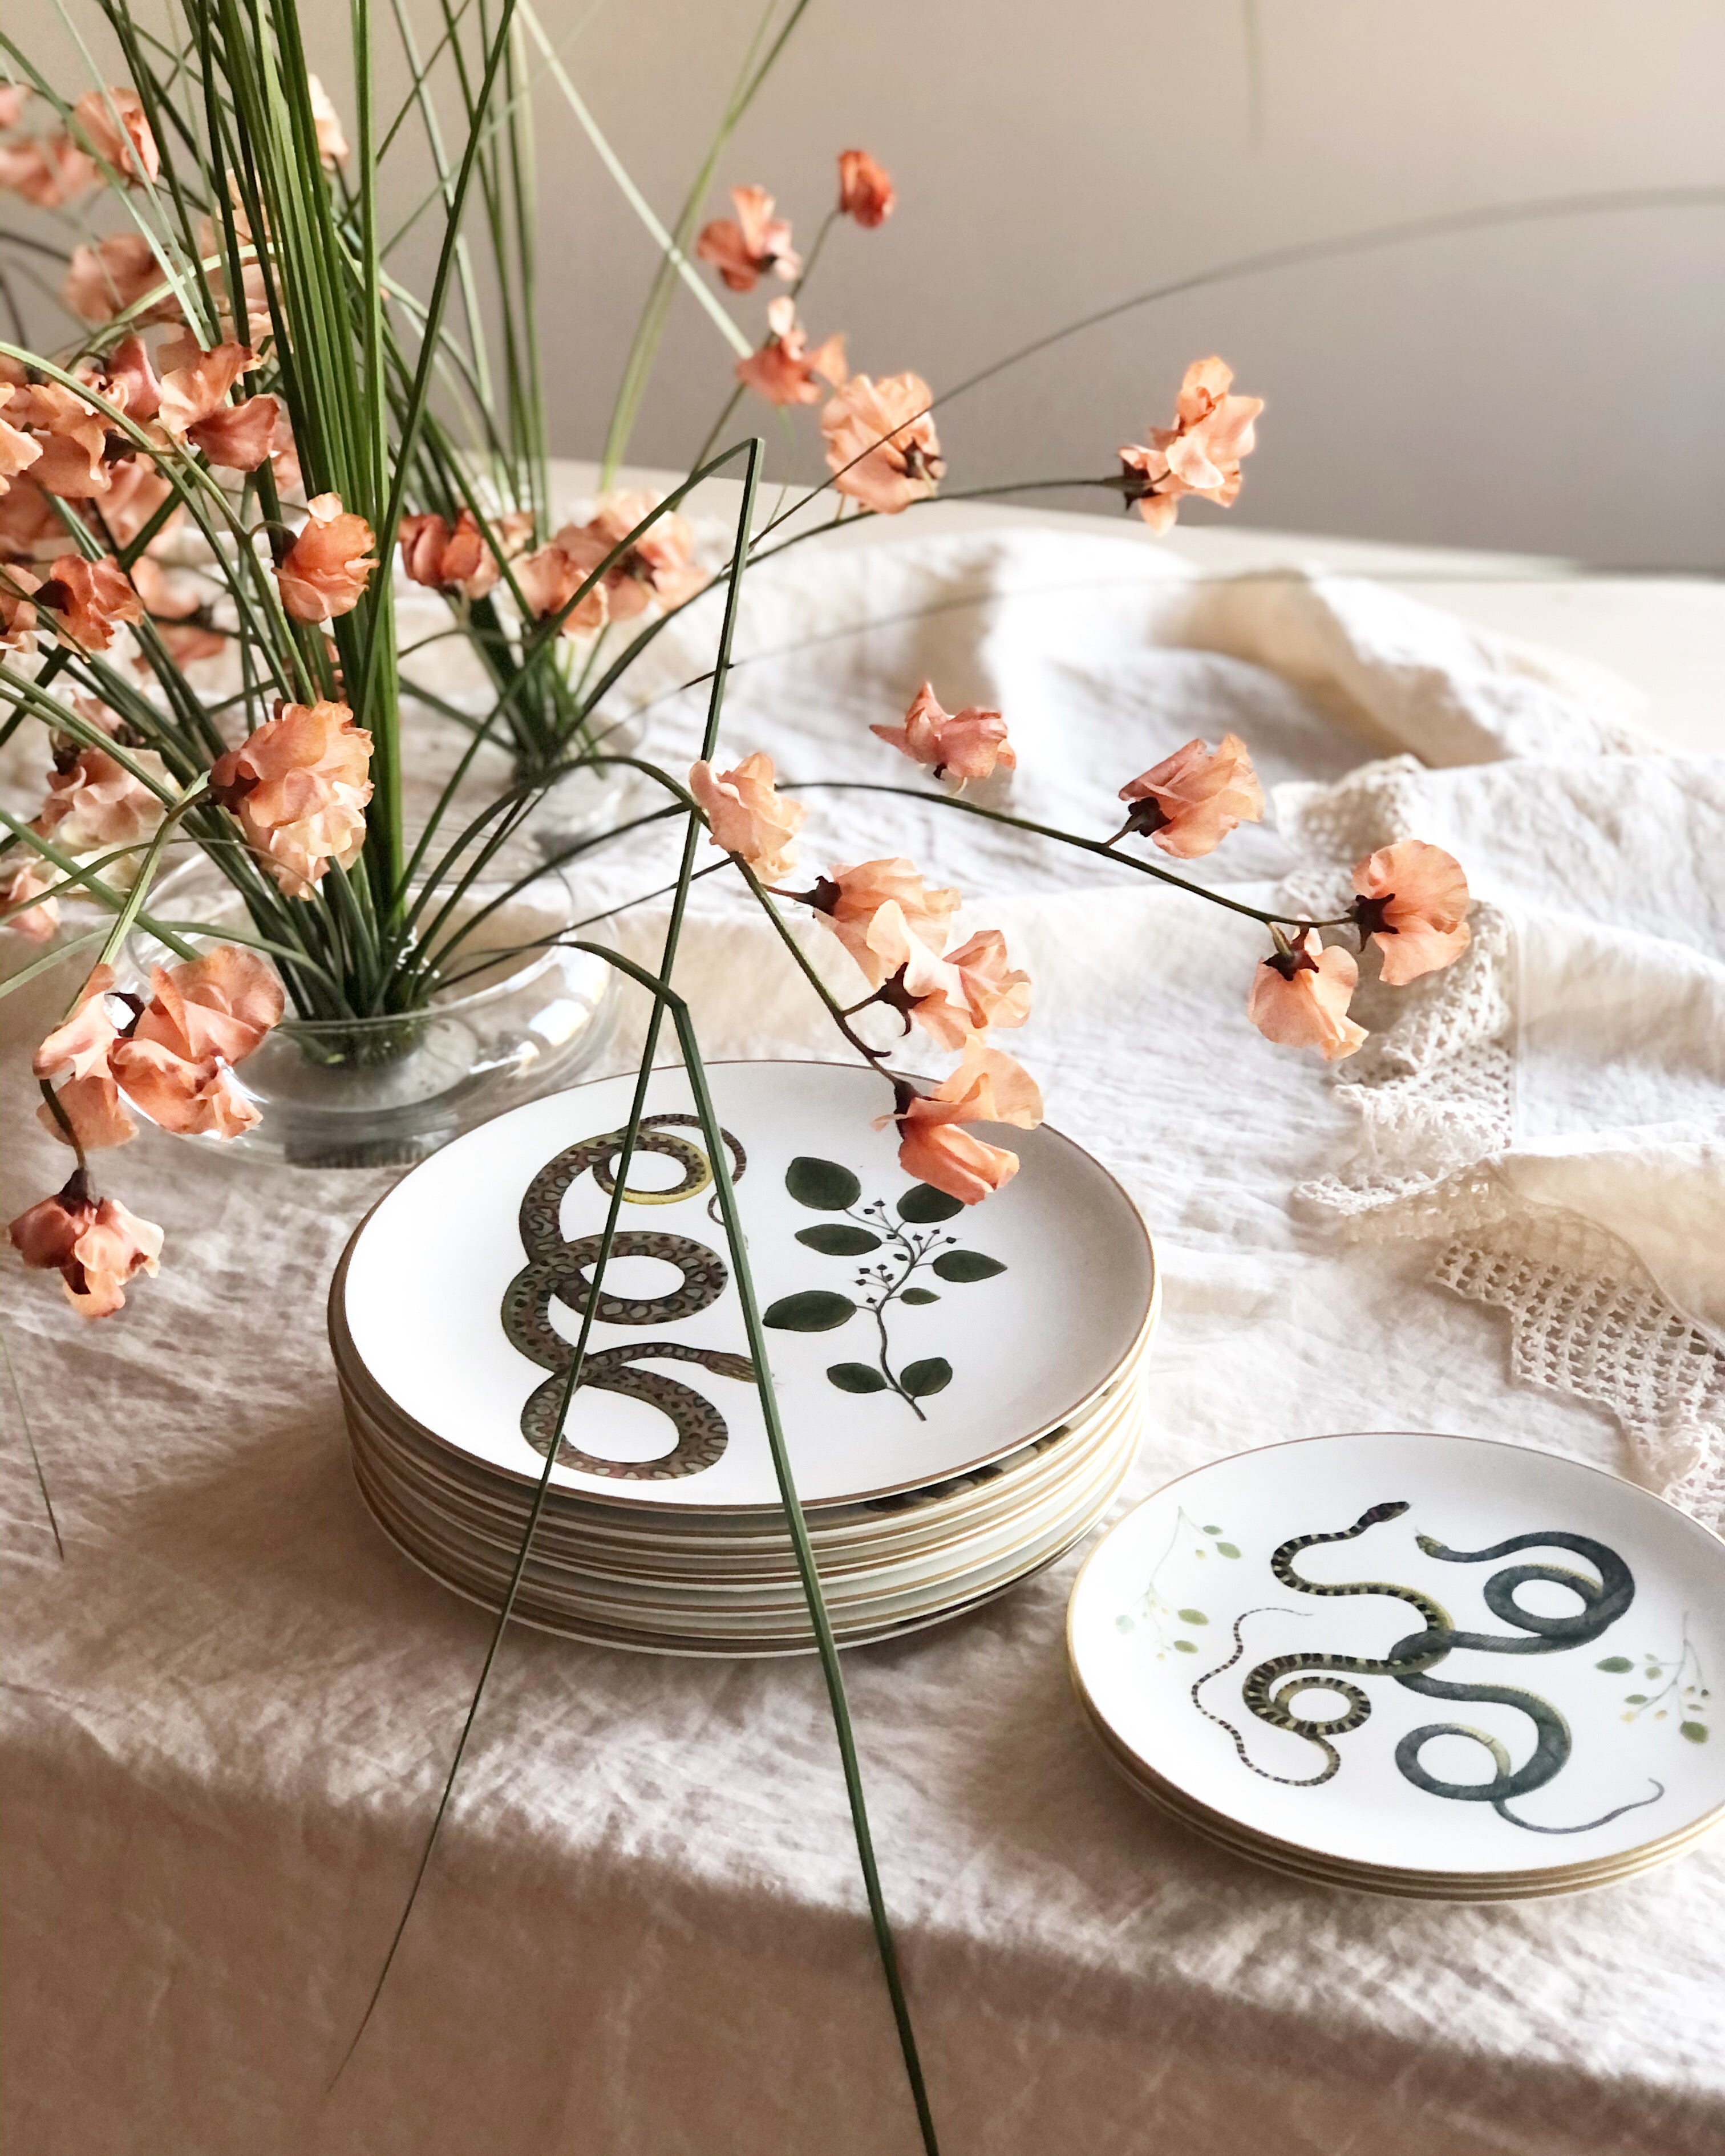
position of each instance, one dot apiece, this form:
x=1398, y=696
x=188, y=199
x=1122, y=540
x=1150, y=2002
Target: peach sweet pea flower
x=96, y=802
x=878, y=910
x=222, y=1003
x=1299, y=997
x=113, y=121
x=92, y=599
x=1188, y=803
x=194, y=407
x=201, y=1018
x=962, y=745
x=299, y=786
x=459, y=560
x=747, y=817
x=127, y=378
x=881, y=445
x=96, y=1246
x=988, y=1087
x=108, y=276
x=192, y=1099
x=18, y=610
x=659, y=566
x=1413, y=904
x=30, y=527
x=26, y=881
x=72, y=436
x=550, y=577
x=50, y=172
x=971, y=989
x=756, y=244
x=14, y=97
x=75, y=1061
x=783, y=370
x=136, y=491
x=1199, y=454
x=865, y=189
x=327, y=569
x=332, y=141
x=19, y=450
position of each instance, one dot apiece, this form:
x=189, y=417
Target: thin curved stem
x=1105, y=848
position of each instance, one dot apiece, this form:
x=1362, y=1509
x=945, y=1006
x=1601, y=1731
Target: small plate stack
x=960, y=1390
x=1436, y=1667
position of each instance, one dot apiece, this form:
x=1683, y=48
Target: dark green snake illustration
x=560, y=1272
x=1268, y=1689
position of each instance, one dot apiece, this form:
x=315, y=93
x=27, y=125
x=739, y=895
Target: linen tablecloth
x=228, y=1711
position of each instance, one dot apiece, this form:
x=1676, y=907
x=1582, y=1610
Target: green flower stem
x=18, y=1401
x=738, y=1245
x=658, y=986
x=1105, y=847
x=835, y=1010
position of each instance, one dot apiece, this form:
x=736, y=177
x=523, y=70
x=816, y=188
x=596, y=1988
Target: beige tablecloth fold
x=228, y=1712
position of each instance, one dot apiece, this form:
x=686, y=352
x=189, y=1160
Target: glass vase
x=385, y=1091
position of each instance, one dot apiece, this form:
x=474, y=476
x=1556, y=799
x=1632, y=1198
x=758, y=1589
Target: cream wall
x=1555, y=389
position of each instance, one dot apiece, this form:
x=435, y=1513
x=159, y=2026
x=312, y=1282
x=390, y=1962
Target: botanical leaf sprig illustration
x=911, y=1237
x=1161, y=1615
x=1682, y=1688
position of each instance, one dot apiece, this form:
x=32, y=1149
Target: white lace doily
x=1434, y=1091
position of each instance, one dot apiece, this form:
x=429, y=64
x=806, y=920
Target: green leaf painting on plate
x=902, y=1240
x=1152, y=1610
x=1682, y=1689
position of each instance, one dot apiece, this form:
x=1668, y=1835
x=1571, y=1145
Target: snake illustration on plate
x=1269, y=1687
x=560, y=1272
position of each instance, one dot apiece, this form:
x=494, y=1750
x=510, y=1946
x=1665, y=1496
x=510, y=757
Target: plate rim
x=1144, y=1326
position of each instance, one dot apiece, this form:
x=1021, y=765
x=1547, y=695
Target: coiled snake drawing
x=1269, y=1688
x=560, y=1271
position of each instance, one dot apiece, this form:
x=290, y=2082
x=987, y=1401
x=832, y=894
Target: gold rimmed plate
x=1415, y=1663
x=911, y=1341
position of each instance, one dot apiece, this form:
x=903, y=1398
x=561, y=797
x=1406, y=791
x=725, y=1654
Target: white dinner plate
x=910, y=1343
x=1436, y=1665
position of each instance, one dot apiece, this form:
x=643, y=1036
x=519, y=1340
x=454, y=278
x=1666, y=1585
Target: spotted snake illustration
x=1268, y=1689
x=560, y=1271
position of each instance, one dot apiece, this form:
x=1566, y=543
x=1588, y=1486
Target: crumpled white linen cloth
x=227, y=1714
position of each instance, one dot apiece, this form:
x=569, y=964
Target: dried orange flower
x=113, y=120
x=783, y=370
x=989, y=1086
x=747, y=817
x=875, y=906
x=865, y=189
x=1413, y=904
x=325, y=571
x=50, y=172
x=299, y=786
x=753, y=245
x=96, y=1246
x=1188, y=803
x=1299, y=997
x=1199, y=454
x=110, y=277
x=332, y=141
x=962, y=745
x=881, y=446
x=91, y=598
x=194, y=407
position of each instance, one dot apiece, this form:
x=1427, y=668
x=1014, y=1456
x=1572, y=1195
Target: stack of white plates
x=960, y=1389
x=1436, y=1667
